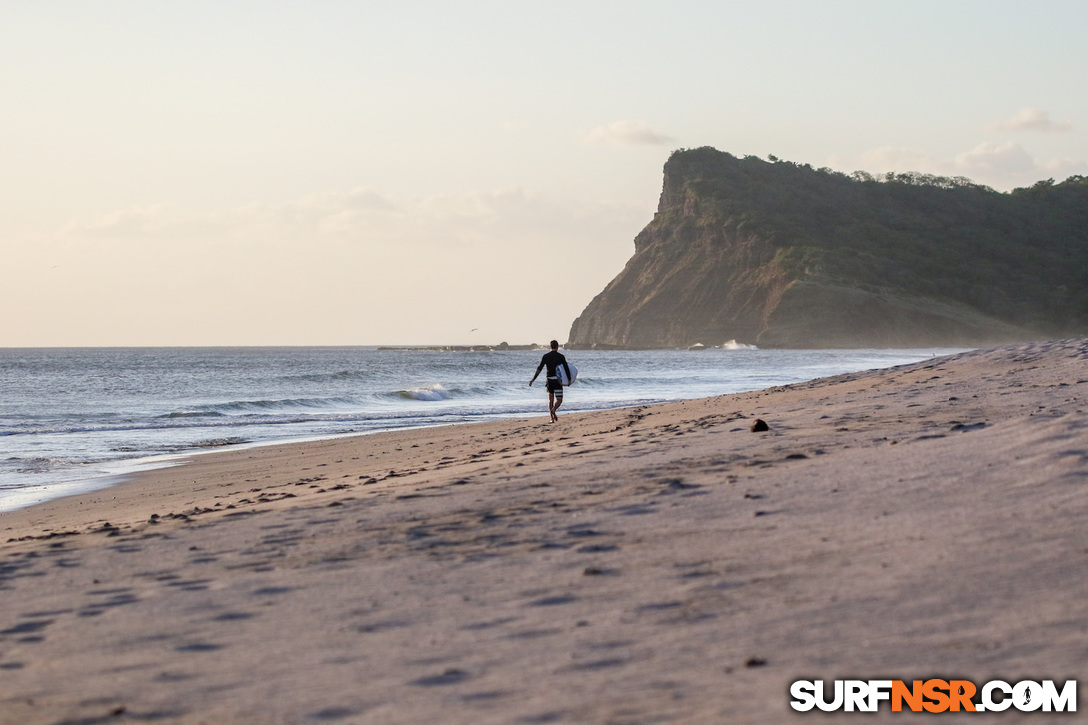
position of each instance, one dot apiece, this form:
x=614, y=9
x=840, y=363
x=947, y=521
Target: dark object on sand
x=759, y=425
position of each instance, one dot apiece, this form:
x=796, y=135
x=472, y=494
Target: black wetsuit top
x=552, y=360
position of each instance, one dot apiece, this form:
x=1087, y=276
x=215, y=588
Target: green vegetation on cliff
x=782, y=254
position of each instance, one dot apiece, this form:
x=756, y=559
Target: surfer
x=552, y=360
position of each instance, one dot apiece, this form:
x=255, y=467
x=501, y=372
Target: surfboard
x=563, y=373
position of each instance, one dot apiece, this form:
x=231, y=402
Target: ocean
x=73, y=420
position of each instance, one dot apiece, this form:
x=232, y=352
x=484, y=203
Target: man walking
x=552, y=360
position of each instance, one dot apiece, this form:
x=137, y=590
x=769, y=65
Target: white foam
x=433, y=392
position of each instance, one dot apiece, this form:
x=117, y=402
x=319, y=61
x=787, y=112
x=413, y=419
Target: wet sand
x=660, y=564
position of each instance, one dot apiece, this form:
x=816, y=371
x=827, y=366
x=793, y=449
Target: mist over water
x=70, y=418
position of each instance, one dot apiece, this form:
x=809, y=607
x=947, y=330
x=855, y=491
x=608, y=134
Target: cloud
x=367, y=219
x=313, y=269
x=894, y=158
x=625, y=133
x=1063, y=168
x=1031, y=119
x=1000, y=165
x=990, y=158
x=137, y=220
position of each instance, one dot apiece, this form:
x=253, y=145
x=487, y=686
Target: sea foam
x=432, y=392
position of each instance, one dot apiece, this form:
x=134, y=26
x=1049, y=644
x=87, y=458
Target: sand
x=659, y=564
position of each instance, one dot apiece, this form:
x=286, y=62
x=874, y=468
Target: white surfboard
x=563, y=373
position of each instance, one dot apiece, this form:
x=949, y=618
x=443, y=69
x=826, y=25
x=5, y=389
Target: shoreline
x=66, y=448
x=134, y=468
x=655, y=563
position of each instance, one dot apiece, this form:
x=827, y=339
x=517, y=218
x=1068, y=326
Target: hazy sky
x=414, y=172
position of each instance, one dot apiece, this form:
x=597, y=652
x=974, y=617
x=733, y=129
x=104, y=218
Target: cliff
x=784, y=255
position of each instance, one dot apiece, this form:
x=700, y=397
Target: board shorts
x=555, y=386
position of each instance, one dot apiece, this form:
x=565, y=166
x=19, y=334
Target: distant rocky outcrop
x=779, y=254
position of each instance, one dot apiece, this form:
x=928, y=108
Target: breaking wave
x=430, y=393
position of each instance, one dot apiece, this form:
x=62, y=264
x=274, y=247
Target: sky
x=434, y=172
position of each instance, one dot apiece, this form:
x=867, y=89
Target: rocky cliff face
x=746, y=250
x=688, y=282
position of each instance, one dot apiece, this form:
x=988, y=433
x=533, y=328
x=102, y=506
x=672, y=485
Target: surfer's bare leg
x=553, y=405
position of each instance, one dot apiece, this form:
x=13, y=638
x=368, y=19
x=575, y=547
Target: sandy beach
x=659, y=564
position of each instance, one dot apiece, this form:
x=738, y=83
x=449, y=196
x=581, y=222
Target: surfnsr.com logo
x=934, y=696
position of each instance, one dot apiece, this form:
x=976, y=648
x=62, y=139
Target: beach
x=650, y=564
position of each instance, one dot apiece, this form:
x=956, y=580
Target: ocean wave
x=193, y=414
x=219, y=442
x=623, y=383
x=438, y=391
x=16, y=464
x=165, y=423
x=264, y=406
x=430, y=393
x=338, y=376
